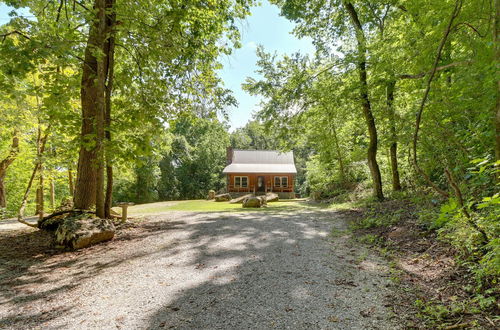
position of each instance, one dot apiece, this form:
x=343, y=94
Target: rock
x=272, y=197
x=54, y=220
x=254, y=201
x=211, y=195
x=240, y=199
x=222, y=198
x=83, y=230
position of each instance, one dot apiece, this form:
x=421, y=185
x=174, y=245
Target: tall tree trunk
x=339, y=154
x=41, y=142
x=70, y=182
x=39, y=193
x=102, y=73
x=367, y=111
x=110, y=47
x=4, y=164
x=3, y=199
x=496, y=114
x=52, y=195
x=396, y=184
x=39, y=190
x=90, y=176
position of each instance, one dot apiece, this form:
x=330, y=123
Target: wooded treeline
x=405, y=94
x=91, y=86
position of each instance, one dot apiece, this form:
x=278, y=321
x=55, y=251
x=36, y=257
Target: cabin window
x=281, y=181
x=241, y=181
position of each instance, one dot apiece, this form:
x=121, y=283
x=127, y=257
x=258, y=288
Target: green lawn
x=211, y=206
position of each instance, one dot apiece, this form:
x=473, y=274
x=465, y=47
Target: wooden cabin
x=260, y=171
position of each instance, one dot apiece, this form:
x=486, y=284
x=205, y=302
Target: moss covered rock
x=83, y=230
x=255, y=201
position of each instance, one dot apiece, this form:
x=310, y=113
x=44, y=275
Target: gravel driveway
x=258, y=270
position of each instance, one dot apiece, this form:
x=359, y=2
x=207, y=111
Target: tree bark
x=339, y=154
x=3, y=193
x=396, y=184
x=39, y=190
x=110, y=47
x=52, y=195
x=39, y=196
x=70, y=182
x=366, y=105
x=42, y=141
x=90, y=176
x=4, y=164
x=496, y=114
x=102, y=72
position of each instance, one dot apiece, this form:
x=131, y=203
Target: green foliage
x=166, y=59
x=318, y=99
x=194, y=164
x=322, y=179
x=370, y=239
x=437, y=315
x=146, y=175
x=374, y=219
x=187, y=166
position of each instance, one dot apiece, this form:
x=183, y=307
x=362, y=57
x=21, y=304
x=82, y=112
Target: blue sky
x=267, y=28
x=264, y=27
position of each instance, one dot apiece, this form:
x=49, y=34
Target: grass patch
x=211, y=206
x=370, y=239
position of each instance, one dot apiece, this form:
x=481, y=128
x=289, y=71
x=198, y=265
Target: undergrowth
x=442, y=222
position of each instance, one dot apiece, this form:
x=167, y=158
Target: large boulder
x=272, y=197
x=54, y=220
x=83, y=230
x=240, y=200
x=255, y=201
x=222, y=198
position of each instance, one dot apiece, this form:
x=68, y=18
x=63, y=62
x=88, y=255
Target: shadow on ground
x=197, y=270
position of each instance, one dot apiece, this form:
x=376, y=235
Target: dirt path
x=13, y=224
x=184, y=270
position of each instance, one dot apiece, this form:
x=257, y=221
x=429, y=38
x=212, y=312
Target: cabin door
x=261, y=183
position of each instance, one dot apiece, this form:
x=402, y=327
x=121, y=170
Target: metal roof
x=261, y=161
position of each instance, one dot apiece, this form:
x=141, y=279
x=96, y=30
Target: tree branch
x=439, y=68
x=471, y=27
x=61, y=2
x=432, y=73
x=14, y=150
x=5, y=35
x=43, y=141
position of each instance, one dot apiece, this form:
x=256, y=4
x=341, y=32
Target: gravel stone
x=187, y=270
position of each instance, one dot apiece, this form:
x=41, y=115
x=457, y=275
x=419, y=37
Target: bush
x=474, y=229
